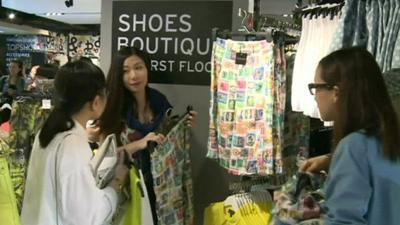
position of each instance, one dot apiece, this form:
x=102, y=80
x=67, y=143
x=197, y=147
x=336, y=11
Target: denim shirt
x=363, y=187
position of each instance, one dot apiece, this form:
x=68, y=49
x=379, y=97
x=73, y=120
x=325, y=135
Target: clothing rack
x=267, y=20
x=34, y=96
x=227, y=34
x=247, y=182
x=245, y=185
x=322, y=2
x=299, y=3
x=320, y=9
x=270, y=35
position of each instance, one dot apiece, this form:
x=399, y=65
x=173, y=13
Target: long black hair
x=363, y=99
x=76, y=83
x=119, y=98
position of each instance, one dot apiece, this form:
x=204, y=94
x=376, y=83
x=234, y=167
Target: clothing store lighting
x=285, y=15
x=54, y=14
x=11, y=16
x=69, y=3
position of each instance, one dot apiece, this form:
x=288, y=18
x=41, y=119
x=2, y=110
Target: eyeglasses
x=312, y=87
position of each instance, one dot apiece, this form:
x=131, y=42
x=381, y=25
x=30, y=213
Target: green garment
x=8, y=204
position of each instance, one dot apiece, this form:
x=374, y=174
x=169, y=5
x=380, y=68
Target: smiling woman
x=135, y=74
x=135, y=107
x=134, y=110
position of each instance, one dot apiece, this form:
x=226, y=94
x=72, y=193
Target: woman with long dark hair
x=60, y=186
x=134, y=110
x=363, y=186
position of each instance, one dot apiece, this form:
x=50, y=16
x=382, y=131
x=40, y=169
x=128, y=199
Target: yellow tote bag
x=8, y=204
x=133, y=213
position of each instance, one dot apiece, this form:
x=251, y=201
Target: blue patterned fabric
x=373, y=24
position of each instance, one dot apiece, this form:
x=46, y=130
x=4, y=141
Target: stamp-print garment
x=300, y=201
x=173, y=184
x=279, y=108
x=241, y=107
x=134, y=130
x=171, y=174
x=297, y=126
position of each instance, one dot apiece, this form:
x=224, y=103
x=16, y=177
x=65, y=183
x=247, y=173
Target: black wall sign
x=176, y=35
x=28, y=48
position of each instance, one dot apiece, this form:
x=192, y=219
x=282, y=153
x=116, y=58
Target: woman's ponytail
x=76, y=83
x=57, y=122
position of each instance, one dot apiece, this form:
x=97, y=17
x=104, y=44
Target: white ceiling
x=88, y=11
x=82, y=12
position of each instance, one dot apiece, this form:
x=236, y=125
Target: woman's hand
x=316, y=164
x=190, y=121
x=142, y=143
x=121, y=172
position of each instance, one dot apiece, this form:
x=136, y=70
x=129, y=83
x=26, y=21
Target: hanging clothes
x=374, y=24
x=171, y=170
x=290, y=129
x=300, y=201
x=279, y=107
x=241, y=107
x=316, y=35
x=134, y=130
x=296, y=125
x=392, y=80
x=8, y=202
x=27, y=117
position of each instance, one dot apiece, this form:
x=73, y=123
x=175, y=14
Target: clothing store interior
x=191, y=112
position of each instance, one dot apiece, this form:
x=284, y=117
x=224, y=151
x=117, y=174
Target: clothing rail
x=227, y=34
x=270, y=35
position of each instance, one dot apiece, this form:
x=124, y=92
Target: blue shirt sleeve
x=349, y=189
x=158, y=102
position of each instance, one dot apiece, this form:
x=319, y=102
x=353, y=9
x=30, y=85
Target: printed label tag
x=46, y=104
x=241, y=58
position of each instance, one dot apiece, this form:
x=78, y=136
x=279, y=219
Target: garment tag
x=241, y=58
x=46, y=104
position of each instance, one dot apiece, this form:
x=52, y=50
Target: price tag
x=46, y=104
